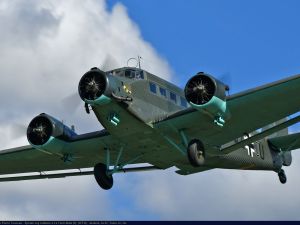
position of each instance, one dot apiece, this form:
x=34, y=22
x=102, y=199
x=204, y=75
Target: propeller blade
x=226, y=78
x=71, y=103
x=18, y=131
x=109, y=63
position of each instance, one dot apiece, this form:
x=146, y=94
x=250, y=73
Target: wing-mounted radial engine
x=47, y=133
x=205, y=93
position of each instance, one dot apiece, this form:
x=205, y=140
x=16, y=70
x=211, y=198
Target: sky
x=45, y=48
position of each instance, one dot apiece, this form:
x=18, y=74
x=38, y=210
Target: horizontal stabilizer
x=286, y=143
x=261, y=135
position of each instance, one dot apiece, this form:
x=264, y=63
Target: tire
x=282, y=176
x=196, y=153
x=104, y=181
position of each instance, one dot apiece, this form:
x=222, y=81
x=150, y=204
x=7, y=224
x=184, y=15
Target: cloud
x=48, y=46
x=27, y=21
x=45, y=48
x=219, y=195
x=68, y=199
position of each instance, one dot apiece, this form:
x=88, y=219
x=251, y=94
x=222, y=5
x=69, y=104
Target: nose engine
x=93, y=84
x=97, y=87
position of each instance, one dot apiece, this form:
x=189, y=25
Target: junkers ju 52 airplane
x=154, y=124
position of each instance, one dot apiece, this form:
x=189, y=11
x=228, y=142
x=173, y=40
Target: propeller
x=17, y=130
x=92, y=85
x=109, y=63
x=200, y=89
x=72, y=102
x=39, y=130
x=226, y=78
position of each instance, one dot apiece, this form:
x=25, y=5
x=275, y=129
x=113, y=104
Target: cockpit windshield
x=134, y=74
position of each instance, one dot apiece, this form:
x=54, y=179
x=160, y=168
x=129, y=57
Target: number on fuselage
x=250, y=148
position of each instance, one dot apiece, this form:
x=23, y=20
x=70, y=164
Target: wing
x=86, y=151
x=250, y=110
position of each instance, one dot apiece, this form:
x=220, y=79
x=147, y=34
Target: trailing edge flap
x=280, y=133
x=187, y=170
x=286, y=143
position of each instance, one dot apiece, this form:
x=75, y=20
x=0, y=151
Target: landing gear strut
x=102, y=172
x=103, y=177
x=282, y=176
x=196, y=153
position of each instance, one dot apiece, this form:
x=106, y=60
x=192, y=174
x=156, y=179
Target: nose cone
x=92, y=85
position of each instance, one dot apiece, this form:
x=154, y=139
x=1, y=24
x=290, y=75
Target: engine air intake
x=200, y=89
x=92, y=85
x=39, y=130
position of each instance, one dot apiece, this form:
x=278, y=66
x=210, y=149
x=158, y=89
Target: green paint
x=102, y=100
x=219, y=121
x=114, y=119
x=113, y=123
x=53, y=145
x=146, y=144
x=107, y=158
x=184, y=138
x=182, y=151
x=214, y=106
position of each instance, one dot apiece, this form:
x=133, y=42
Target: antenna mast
x=139, y=61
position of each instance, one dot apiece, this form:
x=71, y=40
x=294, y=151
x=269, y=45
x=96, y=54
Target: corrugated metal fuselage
x=153, y=100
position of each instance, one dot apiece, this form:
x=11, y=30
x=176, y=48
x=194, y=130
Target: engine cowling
x=96, y=87
x=208, y=94
x=45, y=130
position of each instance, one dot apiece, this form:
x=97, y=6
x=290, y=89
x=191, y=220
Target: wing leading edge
x=87, y=150
x=249, y=110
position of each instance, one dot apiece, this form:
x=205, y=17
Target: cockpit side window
x=139, y=74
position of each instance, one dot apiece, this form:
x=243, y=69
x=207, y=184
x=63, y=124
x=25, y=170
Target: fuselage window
x=173, y=97
x=163, y=92
x=183, y=102
x=152, y=87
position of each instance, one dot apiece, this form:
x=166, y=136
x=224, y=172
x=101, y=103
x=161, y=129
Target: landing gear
x=282, y=176
x=196, y=153
x=103, y=177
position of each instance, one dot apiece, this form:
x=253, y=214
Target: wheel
x=104, y=180
x=282, y=176
x=196, y=153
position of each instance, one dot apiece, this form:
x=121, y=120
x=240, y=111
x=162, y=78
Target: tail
x=285, y=143
x=282, y=143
